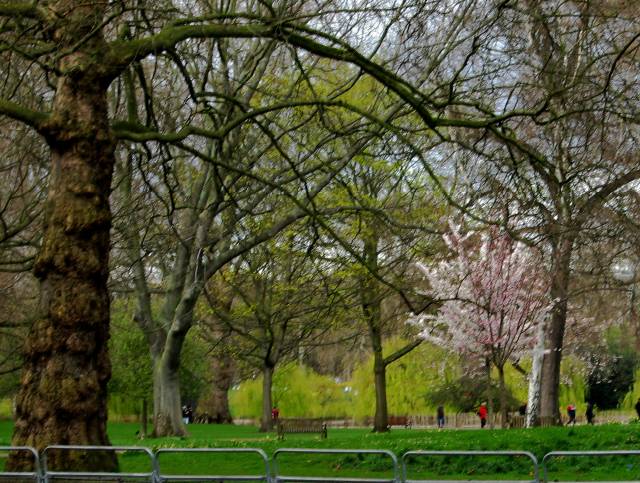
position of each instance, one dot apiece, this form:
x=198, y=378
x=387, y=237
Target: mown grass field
x=538, y=441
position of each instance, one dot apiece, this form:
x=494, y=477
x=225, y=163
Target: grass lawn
x=538, y=441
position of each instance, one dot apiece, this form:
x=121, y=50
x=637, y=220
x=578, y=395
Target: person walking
x=440, y=417
x=571, y=413
x=638, y=407
x=482, y=413
x=589, y=414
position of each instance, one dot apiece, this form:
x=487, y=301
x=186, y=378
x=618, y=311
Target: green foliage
x=9, y=384
x=572, y=383
x=416, y=385
x=131, y=367
x=467, y=392
x=633, y=395
x=612, y=374
x=5, y=408
x=131, y=372
x=409, y=380
x=298, y=392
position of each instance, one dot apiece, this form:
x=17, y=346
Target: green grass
x=539, y=441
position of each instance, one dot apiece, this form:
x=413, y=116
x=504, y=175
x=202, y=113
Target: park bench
x=399, y=421
x=392, y=420
x=300, y=425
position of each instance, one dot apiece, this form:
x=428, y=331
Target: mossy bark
x=63, y=394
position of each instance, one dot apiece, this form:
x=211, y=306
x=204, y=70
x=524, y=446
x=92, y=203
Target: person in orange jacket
x=482, y=413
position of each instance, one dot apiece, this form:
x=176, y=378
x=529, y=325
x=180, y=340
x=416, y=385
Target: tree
x=548, y=174
x=493, y=295
x=380, y=241
x=69, y=53
x=281, y=303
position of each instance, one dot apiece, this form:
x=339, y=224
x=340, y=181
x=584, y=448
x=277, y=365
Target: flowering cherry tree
x=493, y=296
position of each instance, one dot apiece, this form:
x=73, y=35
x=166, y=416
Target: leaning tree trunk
x=550, y=385
x=63, y=393
x=266, y=423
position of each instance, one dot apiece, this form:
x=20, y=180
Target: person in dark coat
x=522, y=410
x=589, y=414
x=440, y=415
x=638, y=408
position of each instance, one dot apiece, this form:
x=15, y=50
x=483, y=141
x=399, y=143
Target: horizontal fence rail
x=166, y=478
x=51, y=476
x=474, y=454
x=277, y=477
x=14, y=476
x=398, y=472
x=581, y=454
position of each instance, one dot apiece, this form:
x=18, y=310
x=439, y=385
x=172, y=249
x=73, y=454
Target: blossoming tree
x=493, y=296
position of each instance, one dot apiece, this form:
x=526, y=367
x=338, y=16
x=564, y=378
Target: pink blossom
x=493, y=293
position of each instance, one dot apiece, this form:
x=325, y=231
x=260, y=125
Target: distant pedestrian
x=185, y=414
x=275, y=414
x=440, y=414
x=482, y=413
x=522, y=410
x=589, y=413
x=571, y=414
x=638, y=407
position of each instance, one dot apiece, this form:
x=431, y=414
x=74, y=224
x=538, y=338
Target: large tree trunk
x=167, y=414
x=381, y=420
x=266, y=424
x=167, y=410
x=550, y=385
x=63, y=394
x=216, y=404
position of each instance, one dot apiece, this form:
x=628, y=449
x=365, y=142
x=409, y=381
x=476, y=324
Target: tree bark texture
x=266, y=424
x=381, y=419
x=63, y=393
x=167, y=408
x=535, y=379
x=371, y=311
x=550, y=384
x=216, y=404
x=503, y=398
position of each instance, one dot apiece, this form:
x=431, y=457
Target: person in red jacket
x=482, y=413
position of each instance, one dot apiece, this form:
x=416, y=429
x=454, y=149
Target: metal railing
x=475, y=454
x=49, y=476
x=396, y=472
x=34, y=475
x=165, y=478
x=277, y=477
x=564, y=454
